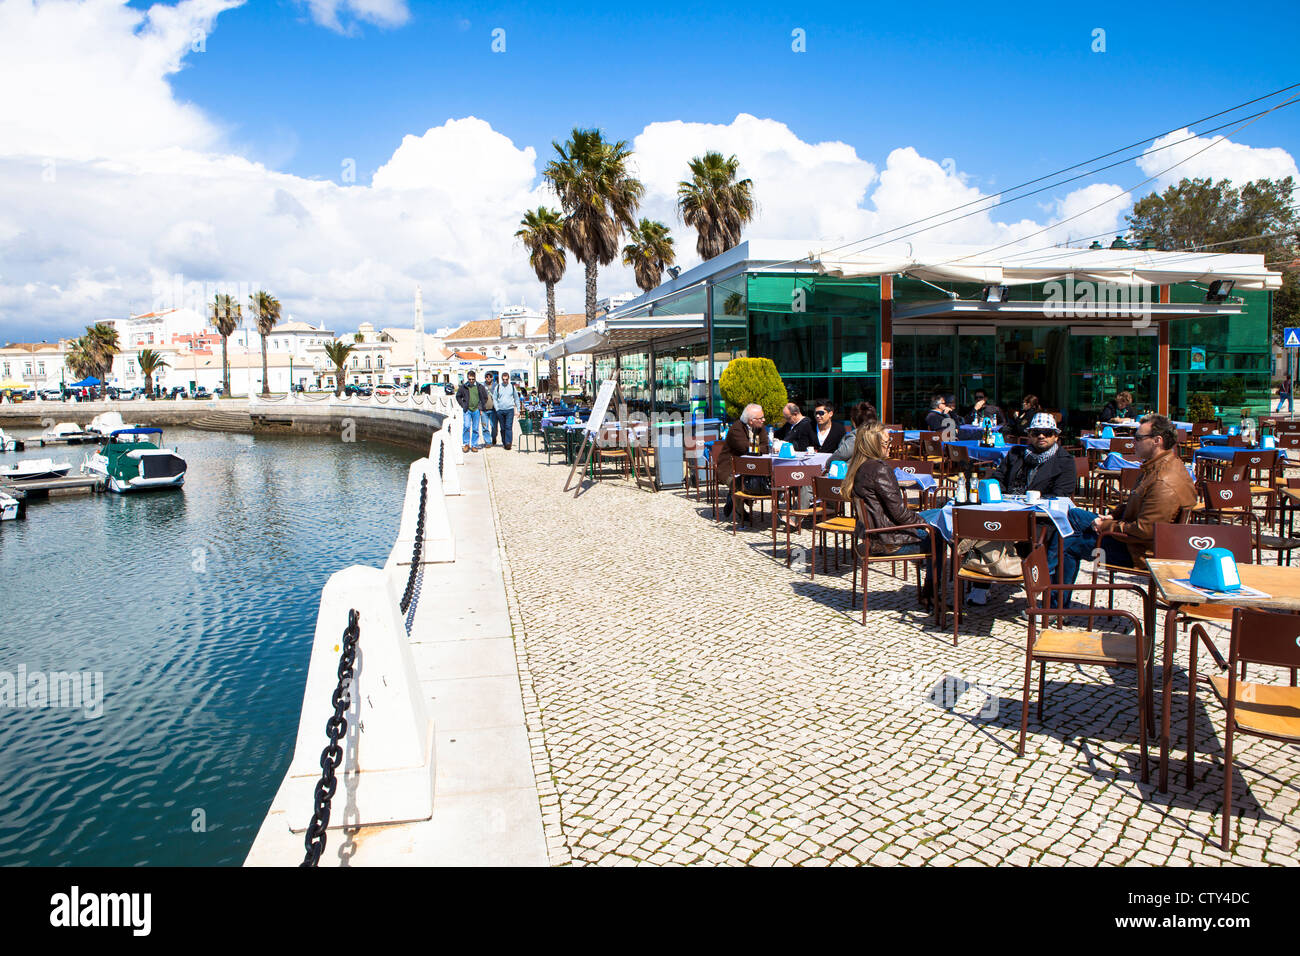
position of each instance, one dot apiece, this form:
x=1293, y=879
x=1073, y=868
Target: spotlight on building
x=1219, y=290
x=674, y=271
x=995, y=294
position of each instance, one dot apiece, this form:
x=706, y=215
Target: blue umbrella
x=89, y=382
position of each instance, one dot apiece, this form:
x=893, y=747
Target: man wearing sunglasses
x=1164, y=490
x=827, y=432
x=1039, y=466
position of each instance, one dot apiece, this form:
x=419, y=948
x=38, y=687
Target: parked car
x=201, y=393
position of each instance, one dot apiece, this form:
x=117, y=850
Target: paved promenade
x=689, y=699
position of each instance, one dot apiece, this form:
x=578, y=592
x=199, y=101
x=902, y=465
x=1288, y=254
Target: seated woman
x=872, y=481
x=863, y=413
x=1020, y=421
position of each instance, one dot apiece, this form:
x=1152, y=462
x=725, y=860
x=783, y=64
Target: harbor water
x=197, y=606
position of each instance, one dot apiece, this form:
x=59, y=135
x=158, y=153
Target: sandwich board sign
x=1291, y=338
x=591, y=432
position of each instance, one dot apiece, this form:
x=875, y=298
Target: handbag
x=997, y=559
x=487, y=405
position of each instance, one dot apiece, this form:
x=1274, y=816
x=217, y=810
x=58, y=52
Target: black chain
x=416, y=550
x=442, y=453
x=335, y=728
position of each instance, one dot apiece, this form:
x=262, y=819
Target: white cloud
x=334, y=13
x=1224, y=160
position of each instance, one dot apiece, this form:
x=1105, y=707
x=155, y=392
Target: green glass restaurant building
x=897, y=326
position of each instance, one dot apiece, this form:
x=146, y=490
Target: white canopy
x=583, y=340
x=1023, y=265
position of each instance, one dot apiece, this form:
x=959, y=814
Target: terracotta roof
x=468, y=356
x=567, y=322
x=481, y=329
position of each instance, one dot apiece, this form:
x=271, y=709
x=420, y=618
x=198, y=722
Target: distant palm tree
x=225, y=316
x=715, y=203
x=358, y=337
x=80, y=359
x=338, y=352
x=543, y=237
x=150, y=362
x=266, y=312
x=649, y=253
x=101, y=346
x=600, y=198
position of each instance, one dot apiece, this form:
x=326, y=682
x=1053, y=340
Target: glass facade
x=1227, y=358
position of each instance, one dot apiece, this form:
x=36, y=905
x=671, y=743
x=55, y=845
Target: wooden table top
x=1281, y=584
x=1292, y=493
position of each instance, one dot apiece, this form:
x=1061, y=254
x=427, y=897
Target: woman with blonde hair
x=871, y=481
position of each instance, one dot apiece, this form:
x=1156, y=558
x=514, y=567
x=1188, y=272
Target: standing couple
x=489, y=408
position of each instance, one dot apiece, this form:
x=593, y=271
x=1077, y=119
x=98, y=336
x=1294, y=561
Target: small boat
x=30, y=469
x=9, y=443
x=67, y=432
x=10, y=507
x=105, y=423
x=129, y=461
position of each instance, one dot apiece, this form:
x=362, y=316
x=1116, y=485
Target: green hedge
x=756, y=380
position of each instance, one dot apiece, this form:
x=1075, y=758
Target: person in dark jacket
x=1120, y=408
x=745, y=434
x=863, y=413
x=872, y=483
x=827, y=432
x=941, y=413
x=1041, y=466
x=983, y=409
x=798, y=428
x=1019, y=422
x=472, y=398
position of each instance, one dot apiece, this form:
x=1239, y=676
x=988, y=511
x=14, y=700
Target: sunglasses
x=820, y=412
x=1040, y=432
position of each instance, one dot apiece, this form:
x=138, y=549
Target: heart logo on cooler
x=1200, y=544
x=993, y=526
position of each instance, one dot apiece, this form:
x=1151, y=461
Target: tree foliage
x=1257, y=218
x=755, y=380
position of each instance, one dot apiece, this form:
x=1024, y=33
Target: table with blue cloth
x=975, y=432
x=983, y=452
x=1057, y=509
x=923, y=481
x=1217, y=439
x=1096, y=444
x=1221, y=452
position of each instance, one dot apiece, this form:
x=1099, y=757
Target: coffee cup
x=1031, y=497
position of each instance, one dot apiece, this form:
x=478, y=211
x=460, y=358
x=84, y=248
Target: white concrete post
x=386, y=775
x=441, y=444
x=439, y=544
x=455, y=426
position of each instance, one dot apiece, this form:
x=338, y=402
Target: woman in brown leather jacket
x=871, y=481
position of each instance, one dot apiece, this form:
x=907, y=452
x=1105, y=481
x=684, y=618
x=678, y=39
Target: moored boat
x=10, y=507
x=9, y=443
x=30, y=469
x=69, y=432
x=129, y=461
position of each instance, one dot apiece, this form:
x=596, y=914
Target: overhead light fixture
x=1219, y=289
x=995, y=294
x=674, y=271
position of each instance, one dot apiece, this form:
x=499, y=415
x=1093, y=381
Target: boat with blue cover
x=131, y=461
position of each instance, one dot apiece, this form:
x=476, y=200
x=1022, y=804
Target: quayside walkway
x=697, y=701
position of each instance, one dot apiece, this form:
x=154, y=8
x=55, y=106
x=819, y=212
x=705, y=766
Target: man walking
x=1284, y=396
x=489, y=412
x=504, y=399
x=472, y=398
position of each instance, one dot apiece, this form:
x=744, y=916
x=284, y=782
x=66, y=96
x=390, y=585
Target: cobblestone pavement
x=690, y=699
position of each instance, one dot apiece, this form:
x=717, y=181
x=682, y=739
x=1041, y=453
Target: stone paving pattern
x=690, y=699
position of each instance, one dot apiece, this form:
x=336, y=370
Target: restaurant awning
x=1023, y=265
x=586, y=339
x=638, y=330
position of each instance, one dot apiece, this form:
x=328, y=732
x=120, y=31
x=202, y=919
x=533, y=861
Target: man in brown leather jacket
x=746, y=433
x=1164, y=491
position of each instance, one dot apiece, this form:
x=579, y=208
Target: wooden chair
x=1083, y=478
x=609, y=446
x=834, y=521
x=750, y=466
x=865, y=556
x=1088, y=647
x=915, y=466
x=787, y=481
x=1255, y=709
x=696, y=464
x=711, y=479
x=981, y=524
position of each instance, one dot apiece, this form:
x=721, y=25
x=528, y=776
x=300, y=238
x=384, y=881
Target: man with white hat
x=1041, y=466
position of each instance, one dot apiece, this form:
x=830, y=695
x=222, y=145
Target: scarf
x=1035, y=460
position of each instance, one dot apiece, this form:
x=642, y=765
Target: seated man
x=798, y=428
x=1120, y=408
x=828, y=432
x=745, y=434
x=983, y=409
x=1163, y=492
x=940, y=415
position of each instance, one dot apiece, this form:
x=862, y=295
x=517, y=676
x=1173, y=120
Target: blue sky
x=135, y=164
x=1008, y=91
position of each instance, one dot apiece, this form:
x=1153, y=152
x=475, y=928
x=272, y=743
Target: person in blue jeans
x=472, y=398
x=1284, y=396
x=504, y=399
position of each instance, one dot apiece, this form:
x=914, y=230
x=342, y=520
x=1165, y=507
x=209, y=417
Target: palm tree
x=150, y=362
x=599, y=197
x=338, y=352
x=80, y=359
x=649, y=253
x=715, y=203
x=543, y=237
x=102, y=344
x=226, y=315
x=266, y=313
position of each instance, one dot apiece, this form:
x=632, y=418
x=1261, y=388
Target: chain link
x=418, y=548
x=335, y=728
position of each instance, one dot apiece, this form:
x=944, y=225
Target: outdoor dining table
x=973, y=432
x=1056, y=509
x=983, y=452
x=1281, y=592
x=1096, y=444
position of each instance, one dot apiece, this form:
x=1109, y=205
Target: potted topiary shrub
x=1200, y=408
x=753, y=380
